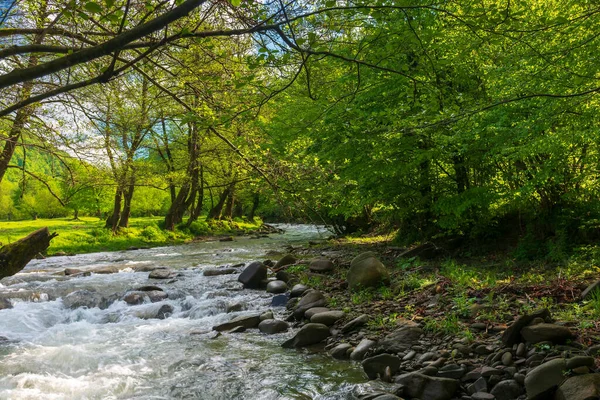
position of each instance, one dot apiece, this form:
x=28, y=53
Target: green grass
x=88, y=234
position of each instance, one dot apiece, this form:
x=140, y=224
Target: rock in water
x=219, y=271
x=421, y=386
x=583, y=387
x=366, y=271
x=160, y=273
x=546, y=332
x=271, y=326
x=321, y=265
x=286, y=260
x=82, y=298
x=376, y=366
x=307, y=335
x=247, y=321
x=280, y=300
x=340, y=352
x=276, y=287
x=312, y=298
x=5, y=304
x=253, y=275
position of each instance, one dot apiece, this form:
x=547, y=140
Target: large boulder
x=366, y=271
x=546, y=333
x=253, y=275
x=284, y=261
x=421, y=386
x=321, y=265
x=310, y=299
x=582, y=387
x=407, y=334
x=541, y=381
x=246, y=321
x=307, y=335
x=375, y=366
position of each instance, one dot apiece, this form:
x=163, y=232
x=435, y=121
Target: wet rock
x=157, y=312
x=219, y=271
x=340, y=352
x=543, y=379
x=272, y=326
x=427, y=387
x=298, y=290
x=507, y=358
x=238, y=329
x=376, y=366
x=321, y=265
x=146, y=268
x=327, y=318
x=366, y=271
x=82, y=298
x=546, y=332
x=253, y=275
x=72, y=271
x=582, y=387
x=160, y=273
x=307, y=335
x=5, y=304
x=280, y=300
x=407, y=334
x=133, y=298
x=312, y=298
x=507, y=390
x=235, y=307
x=512, y=334
x=452, y=371
x=276, y=287
x=247, y=321
x=105, y=270
x=148, y=288
x=266, y=315
x=355, y=323
x=286, y=260
x=362, y=348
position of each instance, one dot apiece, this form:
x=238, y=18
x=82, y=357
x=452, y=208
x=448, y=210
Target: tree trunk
x=215, y=212
x=126, y=213
x=177, y=209
x=15, y=256
x=255, y=203
x=229, y=205
x=113, y=220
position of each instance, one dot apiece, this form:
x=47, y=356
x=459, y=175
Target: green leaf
x=236, y=3
x=93, y=7
x=330, y=3
x=109, y=3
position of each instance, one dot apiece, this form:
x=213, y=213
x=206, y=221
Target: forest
x=466, y=121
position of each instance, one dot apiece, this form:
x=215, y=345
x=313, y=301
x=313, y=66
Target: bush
x=152, y=234
x=198, y=228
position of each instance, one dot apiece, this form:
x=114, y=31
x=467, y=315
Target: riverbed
x=49, y=351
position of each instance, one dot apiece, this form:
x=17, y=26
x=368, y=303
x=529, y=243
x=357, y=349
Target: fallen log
x=15, y=256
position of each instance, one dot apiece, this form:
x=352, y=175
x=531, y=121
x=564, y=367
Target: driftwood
x=15, y=256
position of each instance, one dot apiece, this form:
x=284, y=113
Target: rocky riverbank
x=533, y=356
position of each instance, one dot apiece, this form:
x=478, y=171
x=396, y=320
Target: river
x=49, y=351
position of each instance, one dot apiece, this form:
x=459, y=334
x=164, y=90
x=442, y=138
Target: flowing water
x=49, y=351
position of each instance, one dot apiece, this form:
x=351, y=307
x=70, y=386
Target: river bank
x=442, y=330
x=168, y=322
